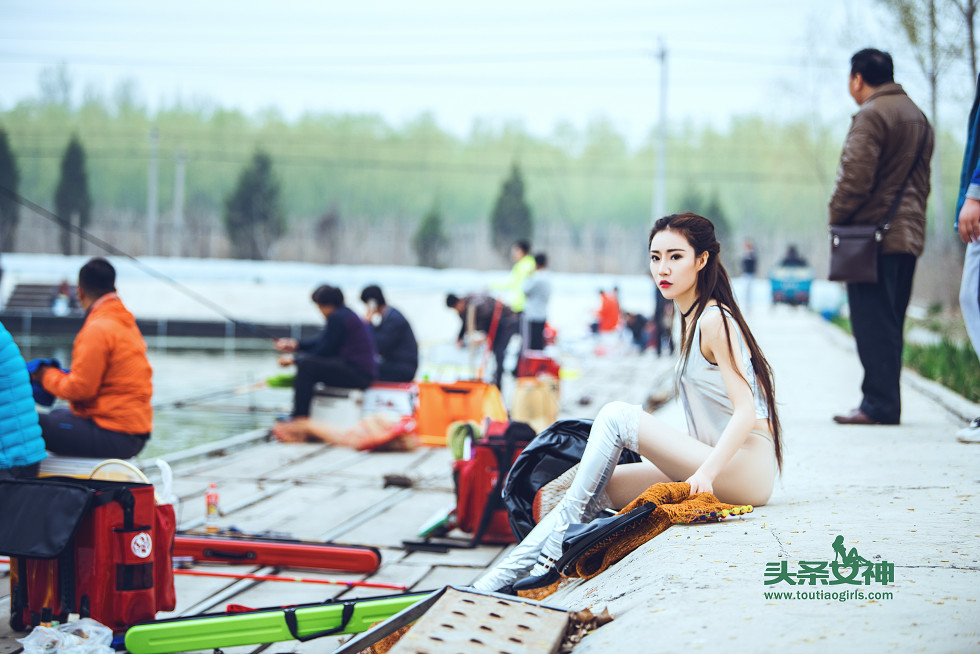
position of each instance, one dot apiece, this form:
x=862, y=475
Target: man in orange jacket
x=109, y=385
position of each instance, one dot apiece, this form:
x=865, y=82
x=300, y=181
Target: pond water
x=201, y=394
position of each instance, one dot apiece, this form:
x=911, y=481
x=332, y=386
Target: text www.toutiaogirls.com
x=842, y=596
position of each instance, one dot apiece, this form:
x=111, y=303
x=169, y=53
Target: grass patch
x=951, y=362
x=953, y=365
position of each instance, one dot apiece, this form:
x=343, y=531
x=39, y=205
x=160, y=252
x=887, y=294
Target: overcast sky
x=534, y=62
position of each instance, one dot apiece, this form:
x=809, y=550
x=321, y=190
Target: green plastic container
x=271, y=625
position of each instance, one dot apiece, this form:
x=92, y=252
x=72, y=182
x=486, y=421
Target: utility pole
x=178, y=226
x=660, y=185
x=151, y=195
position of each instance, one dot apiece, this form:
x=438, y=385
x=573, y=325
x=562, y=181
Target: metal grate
x=470, y=623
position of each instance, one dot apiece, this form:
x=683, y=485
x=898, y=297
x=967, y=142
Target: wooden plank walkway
x=319, y=492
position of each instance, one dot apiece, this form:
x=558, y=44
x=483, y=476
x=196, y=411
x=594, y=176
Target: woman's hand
x=700, y=483
x=286, y=360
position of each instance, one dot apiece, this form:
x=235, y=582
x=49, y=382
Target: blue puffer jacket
x=20, y=435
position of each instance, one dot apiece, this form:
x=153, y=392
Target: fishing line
x=111, y=249
x=240, y=389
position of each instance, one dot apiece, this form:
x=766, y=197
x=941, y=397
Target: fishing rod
x=242, y=389
x=303, y=580
x=111, y=249
x=257, y=577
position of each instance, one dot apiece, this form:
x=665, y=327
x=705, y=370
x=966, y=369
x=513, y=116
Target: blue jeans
x=970, y=294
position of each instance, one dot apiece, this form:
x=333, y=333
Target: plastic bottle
x=211, y=517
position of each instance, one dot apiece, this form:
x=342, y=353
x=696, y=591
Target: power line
x=347, y=61
x=112, y=249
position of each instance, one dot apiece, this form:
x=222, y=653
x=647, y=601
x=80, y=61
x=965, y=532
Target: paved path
x=904, y=495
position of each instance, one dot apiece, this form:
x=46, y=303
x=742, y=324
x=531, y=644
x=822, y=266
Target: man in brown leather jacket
x=886, y=134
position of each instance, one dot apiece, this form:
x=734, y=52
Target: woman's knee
x=616, y=411
x=623, y=420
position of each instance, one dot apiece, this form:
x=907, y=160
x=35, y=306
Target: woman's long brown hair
x=714, y=284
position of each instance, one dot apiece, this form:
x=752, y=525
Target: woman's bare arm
x=715, y=347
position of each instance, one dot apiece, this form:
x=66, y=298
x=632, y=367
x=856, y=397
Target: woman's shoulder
x=712, y=315
x=713, y=321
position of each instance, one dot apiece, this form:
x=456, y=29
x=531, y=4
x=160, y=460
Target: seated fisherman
x=109, y=385
x=341, y=355
x=394, y=340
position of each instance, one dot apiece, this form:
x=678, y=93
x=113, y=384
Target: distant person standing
x=750, y=264
x=968, y=225
x=397, y=351
x=608, y=314
x=537, y=291
x=888, y=148
x=341, y=355
x=110, y=383
x=513, y=286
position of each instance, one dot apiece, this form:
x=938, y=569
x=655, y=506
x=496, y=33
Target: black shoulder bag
x=854, y=248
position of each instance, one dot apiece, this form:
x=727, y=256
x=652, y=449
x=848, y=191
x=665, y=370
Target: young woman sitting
x=732, y=445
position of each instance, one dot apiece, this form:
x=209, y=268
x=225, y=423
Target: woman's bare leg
x=746, y=479
x=674, y=456
x=629, y=480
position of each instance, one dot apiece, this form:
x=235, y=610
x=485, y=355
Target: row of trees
x=332, y=171
x=254, y=217
x=72, y=200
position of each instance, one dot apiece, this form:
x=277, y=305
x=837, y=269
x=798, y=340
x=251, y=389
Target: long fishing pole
x=242, y=389
x=303, y=580
x=112, y=249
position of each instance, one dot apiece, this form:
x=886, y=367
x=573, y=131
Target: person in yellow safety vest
x=524, y=266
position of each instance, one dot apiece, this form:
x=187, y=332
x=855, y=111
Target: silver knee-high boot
x=615, y=427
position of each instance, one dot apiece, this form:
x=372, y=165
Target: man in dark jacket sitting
x=394, y=341
x=341, y=355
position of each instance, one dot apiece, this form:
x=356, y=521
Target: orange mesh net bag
x=674, y=506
